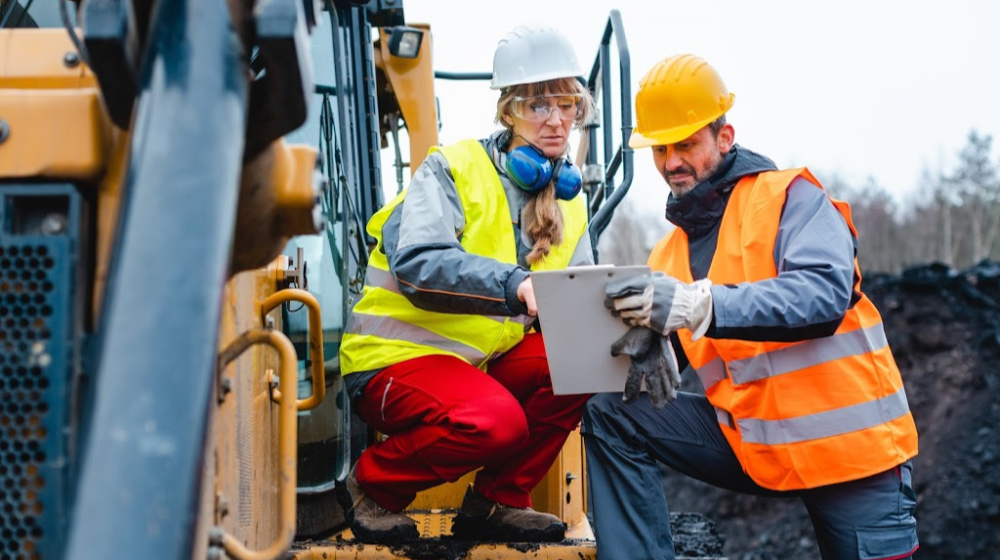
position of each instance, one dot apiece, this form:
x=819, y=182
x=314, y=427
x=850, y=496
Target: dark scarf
x=699, y=211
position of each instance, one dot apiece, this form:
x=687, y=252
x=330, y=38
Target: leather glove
x=651, y=358
x=662, y=303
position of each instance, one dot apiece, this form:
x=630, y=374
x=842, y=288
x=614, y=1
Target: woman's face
x=544, y=121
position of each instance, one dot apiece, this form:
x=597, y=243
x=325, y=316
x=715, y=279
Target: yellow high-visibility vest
x=386, y=329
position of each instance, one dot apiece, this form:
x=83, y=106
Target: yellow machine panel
x=233, y=221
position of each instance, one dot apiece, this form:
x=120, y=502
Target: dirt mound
x=944, y=329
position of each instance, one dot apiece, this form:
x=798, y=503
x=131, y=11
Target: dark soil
x=944, y=329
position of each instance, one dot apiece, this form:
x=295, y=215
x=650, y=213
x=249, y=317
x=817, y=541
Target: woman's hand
x=526, y=294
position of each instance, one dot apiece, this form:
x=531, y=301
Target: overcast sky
x=876, y=88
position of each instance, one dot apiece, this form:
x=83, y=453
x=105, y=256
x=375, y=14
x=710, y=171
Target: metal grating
x=33, y=366
x=245, y=437
x=247, y=316
x=39, y=244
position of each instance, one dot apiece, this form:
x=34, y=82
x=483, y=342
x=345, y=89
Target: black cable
x=10, y=10
x=350, y=212
x=288, y=304
x=341, y=182
x=327, y=139
x=80, y=49
x=20, y=18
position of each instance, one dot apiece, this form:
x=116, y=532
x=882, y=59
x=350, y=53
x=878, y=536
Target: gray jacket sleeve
x=583, y=255
x=430, y=266
x=814, y=256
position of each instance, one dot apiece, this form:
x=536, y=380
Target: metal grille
x=247, y=317
x=244, y=438
x=33, y=286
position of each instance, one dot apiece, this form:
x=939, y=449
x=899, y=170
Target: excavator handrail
x=599, y=222
x=287, y=445
x=315, y=342
x=443, y=75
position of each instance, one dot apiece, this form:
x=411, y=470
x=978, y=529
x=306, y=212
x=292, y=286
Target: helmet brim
x=674, y=135
x=638, y=140
x=496, y=83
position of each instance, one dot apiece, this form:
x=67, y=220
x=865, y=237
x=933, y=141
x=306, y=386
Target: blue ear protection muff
x=529, y=169
x=567, y=178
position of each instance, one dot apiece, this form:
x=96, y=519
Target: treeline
x=952, y=216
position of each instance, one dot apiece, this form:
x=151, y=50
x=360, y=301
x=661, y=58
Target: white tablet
x=578, y=330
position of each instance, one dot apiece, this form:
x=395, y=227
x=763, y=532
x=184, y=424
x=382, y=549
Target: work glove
x=652, y=359
x=662, y=303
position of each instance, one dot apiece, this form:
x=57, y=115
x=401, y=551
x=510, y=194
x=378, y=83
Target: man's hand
x=651, y=358
x=661, y=303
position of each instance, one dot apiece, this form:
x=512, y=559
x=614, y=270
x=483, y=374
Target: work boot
x=480, y=518
x=370, y=522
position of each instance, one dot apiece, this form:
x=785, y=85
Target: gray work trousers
x=865, y=519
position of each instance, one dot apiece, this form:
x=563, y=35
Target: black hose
x=80, y=49
x=10, y=10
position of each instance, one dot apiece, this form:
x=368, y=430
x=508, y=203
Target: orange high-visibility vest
x=800, y=414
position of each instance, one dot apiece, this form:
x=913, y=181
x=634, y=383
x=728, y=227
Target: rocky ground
x=944, y=328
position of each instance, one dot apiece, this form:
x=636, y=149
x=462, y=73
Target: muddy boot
x=370, y=522
x=480, y=518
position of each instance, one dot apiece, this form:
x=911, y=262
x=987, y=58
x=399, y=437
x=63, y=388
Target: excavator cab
x=184, y=188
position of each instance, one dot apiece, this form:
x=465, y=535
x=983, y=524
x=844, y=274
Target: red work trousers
x=445, y=418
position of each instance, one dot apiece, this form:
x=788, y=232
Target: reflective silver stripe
x=497, y=318
x=394, y=329
x=825, y=424
x=525, y=320
x=724, y=418
x=711, y=373
x=379, y=278
x=807, y=354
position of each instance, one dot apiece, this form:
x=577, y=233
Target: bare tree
x=836, y=186
x=953, y=217
x=630, y=235
x=947, y=201
x=926, y=229
x=977, y=185
x=873, y=212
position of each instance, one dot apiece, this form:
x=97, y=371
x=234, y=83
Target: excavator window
x=34, y=13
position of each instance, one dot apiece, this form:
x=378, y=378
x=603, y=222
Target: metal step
x=692, y=534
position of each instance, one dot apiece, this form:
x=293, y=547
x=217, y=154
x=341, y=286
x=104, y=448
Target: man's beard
x=680, y=191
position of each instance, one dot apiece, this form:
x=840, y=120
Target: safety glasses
x=539, y=108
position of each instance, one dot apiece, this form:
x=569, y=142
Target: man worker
x=759, y=290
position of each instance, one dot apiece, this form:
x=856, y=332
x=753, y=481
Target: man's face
x=689, y=162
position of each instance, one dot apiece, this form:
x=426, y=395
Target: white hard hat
x=533, y=54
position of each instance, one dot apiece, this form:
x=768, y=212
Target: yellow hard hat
x=676, y=98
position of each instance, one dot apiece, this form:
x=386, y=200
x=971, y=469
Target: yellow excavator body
x=184, y=186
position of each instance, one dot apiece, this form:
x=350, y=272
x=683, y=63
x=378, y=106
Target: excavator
x=184, y=186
